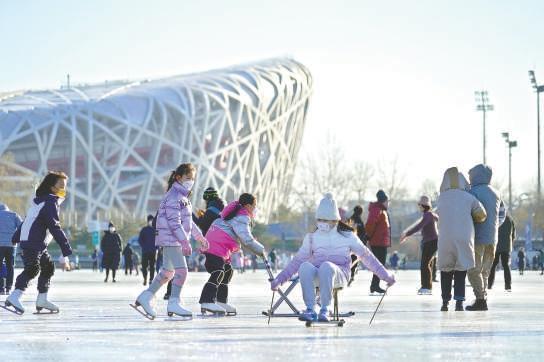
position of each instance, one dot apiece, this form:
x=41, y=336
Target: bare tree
x=390, y=178
x=429, y=188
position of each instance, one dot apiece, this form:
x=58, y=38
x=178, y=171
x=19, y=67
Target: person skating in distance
x=40, y=226
x=324, y=260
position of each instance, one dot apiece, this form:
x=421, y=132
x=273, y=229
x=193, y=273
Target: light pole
x=483, y=105
x=511, y=144
x=538, y=89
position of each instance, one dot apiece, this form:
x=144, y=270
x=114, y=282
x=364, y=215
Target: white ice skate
x=42, y=303
x=174, y=308
x=212, y=308
x=13, y=303
x=144, y=301
x=424, y=291
x=229, y=309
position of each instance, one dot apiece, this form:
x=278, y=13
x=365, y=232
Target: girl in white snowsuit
x=324, y=260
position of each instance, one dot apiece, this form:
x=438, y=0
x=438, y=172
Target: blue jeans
x=6, y=255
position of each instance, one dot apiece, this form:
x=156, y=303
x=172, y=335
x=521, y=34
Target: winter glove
x=186, y=248
x=204, y=245
x=390, y=280
x=274, y=284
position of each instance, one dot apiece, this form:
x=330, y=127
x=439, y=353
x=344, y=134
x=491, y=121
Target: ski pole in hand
x=381, y=299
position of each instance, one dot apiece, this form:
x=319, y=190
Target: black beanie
x=381, y=196
x=210, y=193
x=111, y=224
x=150, y=218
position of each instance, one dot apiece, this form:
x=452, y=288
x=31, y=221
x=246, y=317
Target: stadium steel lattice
x=118, y=141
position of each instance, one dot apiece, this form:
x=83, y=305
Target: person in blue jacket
x=149, y=250
x=40, y=226
x=9, y=222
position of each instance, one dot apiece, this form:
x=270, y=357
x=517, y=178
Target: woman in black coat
x=111, y=248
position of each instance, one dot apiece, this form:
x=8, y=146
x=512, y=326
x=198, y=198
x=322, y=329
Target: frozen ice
x=96, y=323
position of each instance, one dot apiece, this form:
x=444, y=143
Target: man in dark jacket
x=111, y=248
x=127, y=255
x=507, y=234
x=214, y=206
x=149, y=250
x=9, y=222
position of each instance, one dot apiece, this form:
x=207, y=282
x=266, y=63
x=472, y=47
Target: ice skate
x=377, y=291
x=323, y=315
x=143, y=305
x=13, y=303
x=212, y=308
x=424, y=291
x=42, y=303
x=175, y=309
x=230, y=310
x=309, y=315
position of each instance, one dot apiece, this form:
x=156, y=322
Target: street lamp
x=511, y=144
x=483, y=105
x=538, y=89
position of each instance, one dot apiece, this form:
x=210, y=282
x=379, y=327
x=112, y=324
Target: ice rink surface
x=96, y=323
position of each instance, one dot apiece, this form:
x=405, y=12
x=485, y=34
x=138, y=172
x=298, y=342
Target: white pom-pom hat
x=327, y=209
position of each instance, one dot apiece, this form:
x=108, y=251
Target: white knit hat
x=327, y=209
x=425, y=201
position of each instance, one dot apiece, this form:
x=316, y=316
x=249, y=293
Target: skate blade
x=178, y=318
x=47, y=311
x=375, y=294
x=211, y=314
x=339, y=323
x=14, y=310
x=230, y=314
x=137, y=309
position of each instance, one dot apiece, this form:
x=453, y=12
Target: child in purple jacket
x=174, y=228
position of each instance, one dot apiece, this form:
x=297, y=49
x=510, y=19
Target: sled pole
x=270, y=310
x=381, y=299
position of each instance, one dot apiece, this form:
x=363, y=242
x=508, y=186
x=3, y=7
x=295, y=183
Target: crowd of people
x=468, y=229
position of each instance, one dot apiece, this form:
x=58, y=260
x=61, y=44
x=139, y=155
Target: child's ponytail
x=245, y=199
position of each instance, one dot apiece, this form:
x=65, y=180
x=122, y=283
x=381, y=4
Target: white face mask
x=60, y=200
x=188, y=184
x=112, y=229
x=255, y=212
x=324, y=226
x=150, y=223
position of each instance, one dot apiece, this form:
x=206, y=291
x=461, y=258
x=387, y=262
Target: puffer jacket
x=335, y=247
x=480, y=178
x=42, y=225
x=174, y=223
x=378, y=228
x=9, y=222
x=458, y=210
x=225, y=236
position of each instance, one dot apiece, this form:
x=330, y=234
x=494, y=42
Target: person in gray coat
x=9, y=222
x=486, y=233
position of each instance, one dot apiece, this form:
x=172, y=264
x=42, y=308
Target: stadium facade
x=242, y=126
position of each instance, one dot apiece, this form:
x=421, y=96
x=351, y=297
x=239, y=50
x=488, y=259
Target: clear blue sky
x=393, y=78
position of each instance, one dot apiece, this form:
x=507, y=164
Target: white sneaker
x=229, y=309
x=212, y=308
x=175, y=308
x=144, y=300
x=14, y=300
x=43, y=303
x=424, y=291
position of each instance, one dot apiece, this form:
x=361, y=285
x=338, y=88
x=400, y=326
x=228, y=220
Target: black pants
x=426, y=268
x=148, y=261
x=354, y=265
x=381, y=253
x=128, y=267
x=6, y=254
x=446, y=279
x=113, y=271
x=505, y=261
x=36, y=262
x=217, y=286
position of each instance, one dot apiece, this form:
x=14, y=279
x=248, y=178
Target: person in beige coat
x=458, y=210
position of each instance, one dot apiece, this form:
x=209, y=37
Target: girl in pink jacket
x=225, y=236
x=324, y=260
x=174, y=228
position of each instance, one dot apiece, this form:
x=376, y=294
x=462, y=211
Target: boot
x=444, y=306
x=14, y=300
x=229, y=309
x=478, y=305
x=323, y=315
x=174, y=308
x=212, y=308
x=459, y=306
x=376, y=290
x=309, y=315
x=43, y=303
x=144, y=300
